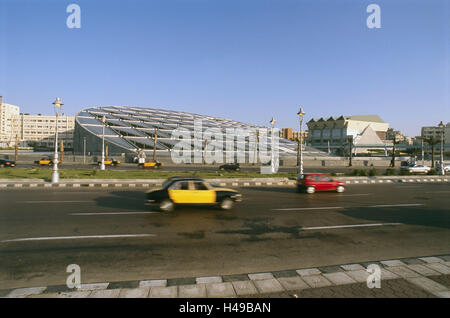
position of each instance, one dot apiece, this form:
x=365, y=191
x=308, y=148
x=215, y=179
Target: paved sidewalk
x=411, y=277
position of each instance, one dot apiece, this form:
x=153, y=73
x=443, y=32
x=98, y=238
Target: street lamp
x=442, y=126
x=55, y=174
x=102, y=165
x=301, y=113
x=272, y=159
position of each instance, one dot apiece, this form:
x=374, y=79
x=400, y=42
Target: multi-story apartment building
x=397, y=135
x=289, y=133
x=33, y=130
x=7, y=113
x=435, y=131
x=39, y=130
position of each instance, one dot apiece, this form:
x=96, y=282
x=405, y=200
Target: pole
x=300, y=172
x=16, y=148
x=255, y=158
x=61, y=149
x=272, y=153
x=442, y=152
x=154, y=145
x=350, y=140
x=55, y=173
x=84, y=149
x=102, y=165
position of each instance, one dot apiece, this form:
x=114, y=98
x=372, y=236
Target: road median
x=233, y=182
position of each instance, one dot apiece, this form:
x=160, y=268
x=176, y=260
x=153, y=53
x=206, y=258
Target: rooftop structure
x=129, y=129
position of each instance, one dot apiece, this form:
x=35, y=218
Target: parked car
x=312, y=182
x=230, y=167
x=110, y=162
x=45, y=161
x=416, y=168
x=191, y=191
x=7, y=163
x=152, y=164
x=446, y=168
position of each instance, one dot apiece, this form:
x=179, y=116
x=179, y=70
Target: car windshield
x=167, y=182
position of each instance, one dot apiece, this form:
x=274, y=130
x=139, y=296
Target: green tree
x=432, y=141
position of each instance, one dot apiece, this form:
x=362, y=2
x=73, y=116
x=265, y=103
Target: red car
x=312, y=182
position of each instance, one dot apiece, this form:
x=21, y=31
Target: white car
x=417, y=169
x=446, y=168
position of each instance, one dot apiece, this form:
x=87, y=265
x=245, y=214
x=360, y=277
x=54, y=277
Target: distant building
x=33, y=130
x=396, y=135
x=289, y=133
x=7, y=113
x=435, y=131
x=334, y=133
x=39, y=130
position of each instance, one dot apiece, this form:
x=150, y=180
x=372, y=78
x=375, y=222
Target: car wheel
x=340, y=189
x=2, y=165
x=166, y=205
x=226, y=204
x=310, y=190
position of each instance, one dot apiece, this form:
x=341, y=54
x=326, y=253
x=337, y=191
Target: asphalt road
x=113, y=236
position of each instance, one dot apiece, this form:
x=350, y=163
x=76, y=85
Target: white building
x=33, y=130
x=366, y=131
x=7, y=112
x=39, y=130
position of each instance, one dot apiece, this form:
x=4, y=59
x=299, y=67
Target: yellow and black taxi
x=191, y=191
x=110, y=162
x=152, y=164
x=45, y=161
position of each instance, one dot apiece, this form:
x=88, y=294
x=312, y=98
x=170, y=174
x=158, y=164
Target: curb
x=414, y=270
x=117, y=183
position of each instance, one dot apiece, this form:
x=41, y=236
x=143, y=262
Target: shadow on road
x=130, y=200
x=405, y=215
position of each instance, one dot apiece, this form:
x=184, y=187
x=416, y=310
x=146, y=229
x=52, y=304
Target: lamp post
x=102, y=165
x=55, y=174
x=442, y=126
x=84, y=149
x=272, y=153
x=300, y=113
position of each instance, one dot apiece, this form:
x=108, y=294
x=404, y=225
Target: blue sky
x=246, y=60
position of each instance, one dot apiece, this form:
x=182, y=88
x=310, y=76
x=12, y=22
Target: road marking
x=394, y=205
x=114, y=213
x=351, y=207
x=437, y=192
x=347, y=226
x=320, y=208
x=55, y=201
x=352, y=195
x=76, y=237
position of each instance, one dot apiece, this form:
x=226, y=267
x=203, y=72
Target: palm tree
x=432, y=141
